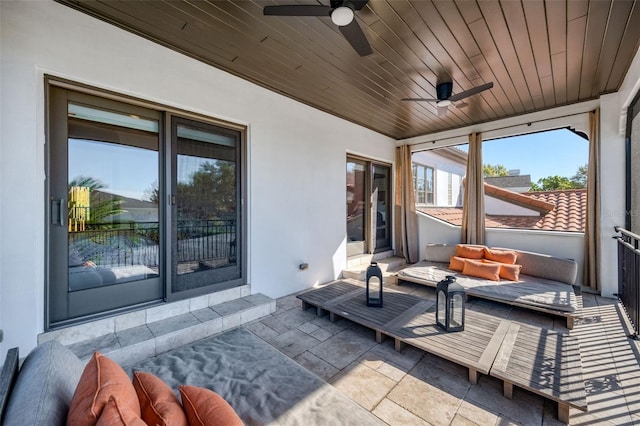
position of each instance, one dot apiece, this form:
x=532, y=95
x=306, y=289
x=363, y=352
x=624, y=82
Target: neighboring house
x=563, y=210
x=133, y=210
x=514, y=181
x=437, y=176
x=508, y=202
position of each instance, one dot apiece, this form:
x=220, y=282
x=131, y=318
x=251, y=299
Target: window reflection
x=112, y=220
x=206, y=208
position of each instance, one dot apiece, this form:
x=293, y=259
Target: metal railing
x=138, y=243
x=629, y=275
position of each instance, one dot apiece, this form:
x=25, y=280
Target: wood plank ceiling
x=538, y=53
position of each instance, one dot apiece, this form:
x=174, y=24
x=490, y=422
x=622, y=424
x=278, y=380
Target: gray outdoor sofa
x=264, y=386
x=546, y=283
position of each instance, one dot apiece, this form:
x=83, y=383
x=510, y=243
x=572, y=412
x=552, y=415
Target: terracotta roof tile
x=568, y=214
x=523, y=200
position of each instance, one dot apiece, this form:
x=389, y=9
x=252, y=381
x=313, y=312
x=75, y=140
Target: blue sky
x=124, y=170
x=558, y=152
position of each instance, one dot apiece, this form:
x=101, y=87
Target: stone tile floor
x=415, y=388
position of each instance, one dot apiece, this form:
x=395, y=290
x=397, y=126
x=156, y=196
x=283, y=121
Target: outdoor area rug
x=261, y=384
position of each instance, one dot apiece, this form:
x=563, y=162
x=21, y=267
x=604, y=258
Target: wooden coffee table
x=411, y=319
x=542, y=361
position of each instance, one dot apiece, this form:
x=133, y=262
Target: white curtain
x=405, y=217
x=592, y=230
x=473, y=228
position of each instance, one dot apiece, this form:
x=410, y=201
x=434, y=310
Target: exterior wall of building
x=296, y=154
x=443, y=167
x=504, y=208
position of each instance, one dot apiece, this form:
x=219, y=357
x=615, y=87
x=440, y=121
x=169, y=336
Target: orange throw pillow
x=158, y=404
x=456, y=263
x=502, y=256
x=204, y=407
x=470, y=251
x=478, y=268
x=508, y=272
x=115, y=415
x=101, y=379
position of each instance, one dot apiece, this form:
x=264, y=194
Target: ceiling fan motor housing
x=444, y=90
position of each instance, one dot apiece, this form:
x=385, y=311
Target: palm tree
x=99, y=209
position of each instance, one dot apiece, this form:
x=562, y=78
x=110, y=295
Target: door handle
x=60, y=209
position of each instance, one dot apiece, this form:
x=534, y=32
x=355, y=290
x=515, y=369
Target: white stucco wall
x=612, y=190
x=443, y=166
x=432, y=230
x=500, y=207
x=297, y=154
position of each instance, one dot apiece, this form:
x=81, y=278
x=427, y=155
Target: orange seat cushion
x=456, y=263
x=502, y=256
x=480, y=269
x=469, y=251
x=204, y=407
x=158, y=404
x=101, y=379
x=114, y=414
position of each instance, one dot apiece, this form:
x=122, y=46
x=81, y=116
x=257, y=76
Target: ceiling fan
x=342, y=13
x=445, y=98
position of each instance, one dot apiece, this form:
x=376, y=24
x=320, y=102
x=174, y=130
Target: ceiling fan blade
x=470, y=92
x=419, y=99
x=442, y=110
x=354, y=35
x=297, y=10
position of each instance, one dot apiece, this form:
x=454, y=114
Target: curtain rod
x=527, y=123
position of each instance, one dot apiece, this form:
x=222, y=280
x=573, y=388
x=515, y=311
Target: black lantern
x=450, y=301
x=374, y=285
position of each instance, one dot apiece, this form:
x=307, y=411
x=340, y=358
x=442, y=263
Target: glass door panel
x=381, y=206
x=368, y=207
x=104, y=239
x=206, y=212
x=356, y=207
x=113, y=234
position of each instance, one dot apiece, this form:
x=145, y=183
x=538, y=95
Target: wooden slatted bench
x=354, y=307
x=542, y=361
x=316, y=298
x=475, y=348
x=411, y=319
x=545, y=362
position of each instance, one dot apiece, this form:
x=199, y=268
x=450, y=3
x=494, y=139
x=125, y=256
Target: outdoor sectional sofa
x=262, y=385
x=545, y=284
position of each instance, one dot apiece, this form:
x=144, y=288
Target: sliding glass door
x=144, y=206
x=368, y=207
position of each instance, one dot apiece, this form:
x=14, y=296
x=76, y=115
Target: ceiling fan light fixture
x=443, y=103
x=342, y=16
